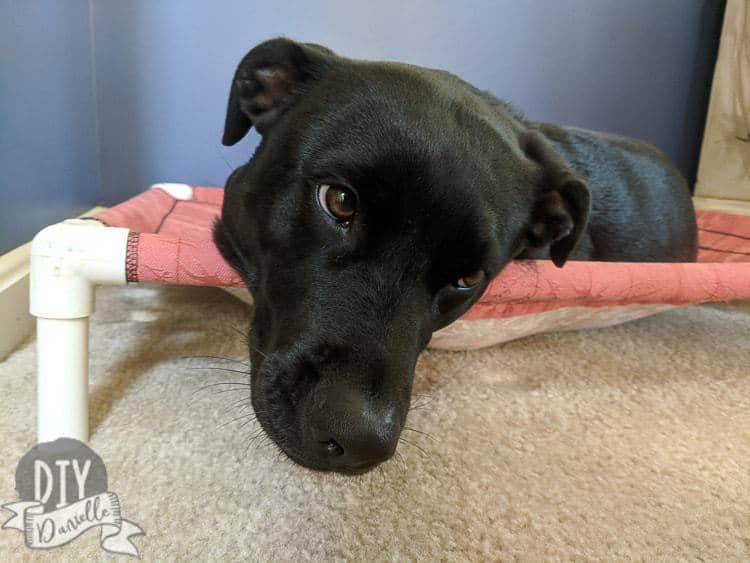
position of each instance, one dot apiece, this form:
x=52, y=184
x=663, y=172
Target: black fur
x=449, y=181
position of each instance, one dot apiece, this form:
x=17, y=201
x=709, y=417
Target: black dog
x=381, y=201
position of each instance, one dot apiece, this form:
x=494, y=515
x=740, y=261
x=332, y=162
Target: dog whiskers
x=259, y=439
x=262, y=354
x=217, y=368
x=222, y=358
x=382, y=472
x=420, y=432
x=412, y=444
x=229, y=386
x=264, y=441
x=236, y=419
x=242, y=334
x=246, y=338
x=226, y=386
x=248, y=421
x=421, y=401
x=252, y=440
x=401, y=461
x=231, y=390
x=209, y=385
x=242, y=403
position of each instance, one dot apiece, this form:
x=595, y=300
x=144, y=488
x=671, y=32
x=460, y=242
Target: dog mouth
x=275, y=414
x=272, y=415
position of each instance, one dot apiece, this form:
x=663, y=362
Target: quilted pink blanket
x=170, y=243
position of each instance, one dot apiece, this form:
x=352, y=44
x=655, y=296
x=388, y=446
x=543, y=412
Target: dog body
x=379, y=204
x=641, y=210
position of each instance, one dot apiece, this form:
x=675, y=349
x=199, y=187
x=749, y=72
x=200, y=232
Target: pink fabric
x=536, y=286
x=174, y=246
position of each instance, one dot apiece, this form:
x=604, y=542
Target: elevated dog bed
x=164, y=236
x=169, y=242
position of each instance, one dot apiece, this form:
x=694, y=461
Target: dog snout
x=352, y=432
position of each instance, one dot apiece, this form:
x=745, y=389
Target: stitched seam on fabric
x=163, y=219
x=724, y=251
x=131, y=257
x=723, y=233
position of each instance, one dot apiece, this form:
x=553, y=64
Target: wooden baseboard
x=16, y=323
x=725, y=205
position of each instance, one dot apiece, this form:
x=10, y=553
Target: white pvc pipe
x=62, y=378
x=68, y=261
x=177, y=191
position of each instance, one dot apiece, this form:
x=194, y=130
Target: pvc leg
x=68, y=261
x=62, y=378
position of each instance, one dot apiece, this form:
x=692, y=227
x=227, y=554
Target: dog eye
x=339, y=202
x=474, y=279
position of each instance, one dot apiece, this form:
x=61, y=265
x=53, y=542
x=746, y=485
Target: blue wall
x=162, y=72
x=48, y=146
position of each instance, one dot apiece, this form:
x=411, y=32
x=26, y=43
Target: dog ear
x=562, y=202
x=267, y=80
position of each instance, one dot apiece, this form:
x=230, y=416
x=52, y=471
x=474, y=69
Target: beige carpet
x=626, y=443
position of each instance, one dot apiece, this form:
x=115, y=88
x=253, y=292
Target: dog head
x=380, y=202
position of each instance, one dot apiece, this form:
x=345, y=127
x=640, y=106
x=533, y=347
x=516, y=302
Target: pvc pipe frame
x=68, y=261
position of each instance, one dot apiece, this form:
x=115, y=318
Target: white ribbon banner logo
x=52, y=529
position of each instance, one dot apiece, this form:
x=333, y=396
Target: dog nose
x=352, y=433
x=357, y=450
